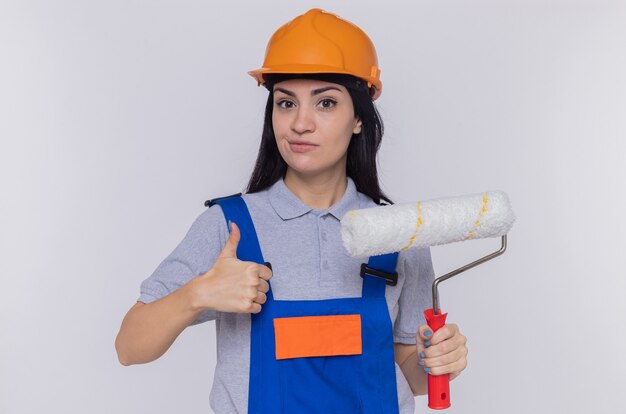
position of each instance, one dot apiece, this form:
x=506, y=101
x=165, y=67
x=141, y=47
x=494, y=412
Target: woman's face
x=313, y=123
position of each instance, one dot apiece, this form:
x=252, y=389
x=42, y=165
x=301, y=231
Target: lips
x=302, y=146
x=300, y=142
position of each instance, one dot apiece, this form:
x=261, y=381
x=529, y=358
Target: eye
x=285, y=104
x=327, y=103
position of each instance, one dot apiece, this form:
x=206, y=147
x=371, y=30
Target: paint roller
x=398, y=227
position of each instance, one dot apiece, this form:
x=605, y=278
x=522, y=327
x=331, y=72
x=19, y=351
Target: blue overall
x=347, y=384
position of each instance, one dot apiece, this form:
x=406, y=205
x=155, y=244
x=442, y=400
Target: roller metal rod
x=462, y=269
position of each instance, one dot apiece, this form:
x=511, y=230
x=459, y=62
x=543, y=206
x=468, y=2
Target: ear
x=357, y=127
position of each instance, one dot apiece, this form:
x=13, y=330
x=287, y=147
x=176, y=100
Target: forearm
x=415, y=375
x=148, y=330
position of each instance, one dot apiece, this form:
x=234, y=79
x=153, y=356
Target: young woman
x=321, y=336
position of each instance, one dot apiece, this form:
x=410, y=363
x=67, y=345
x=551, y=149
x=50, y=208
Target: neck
x=317, y=191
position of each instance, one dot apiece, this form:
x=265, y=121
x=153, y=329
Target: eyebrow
x=313, y=92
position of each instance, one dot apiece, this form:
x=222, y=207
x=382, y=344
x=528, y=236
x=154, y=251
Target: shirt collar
x=287, y=205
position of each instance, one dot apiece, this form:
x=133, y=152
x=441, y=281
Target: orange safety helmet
x=321, y=42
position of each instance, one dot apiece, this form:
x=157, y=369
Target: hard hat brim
x=300, y=68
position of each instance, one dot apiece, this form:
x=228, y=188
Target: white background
x=119, y=118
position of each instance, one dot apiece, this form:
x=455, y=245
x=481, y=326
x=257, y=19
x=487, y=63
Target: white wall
x=118, y=119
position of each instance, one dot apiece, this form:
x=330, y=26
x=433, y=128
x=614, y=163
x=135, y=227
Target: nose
x=303, y=120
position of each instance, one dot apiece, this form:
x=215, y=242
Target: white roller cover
x=397, y=227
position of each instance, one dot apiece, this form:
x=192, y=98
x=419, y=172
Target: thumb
x=230, y=248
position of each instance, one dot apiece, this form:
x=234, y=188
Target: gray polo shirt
x=309, y=262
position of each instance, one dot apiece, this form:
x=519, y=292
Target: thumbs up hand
x=231, y=285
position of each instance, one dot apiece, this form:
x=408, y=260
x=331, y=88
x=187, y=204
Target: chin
x=305, y=170
x=309, y=169
x=309, y=165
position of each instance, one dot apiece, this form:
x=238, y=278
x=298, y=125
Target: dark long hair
x=361, y=160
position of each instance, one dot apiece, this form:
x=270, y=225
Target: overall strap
x=373, y=286
x=248, y=249
x=235, y=210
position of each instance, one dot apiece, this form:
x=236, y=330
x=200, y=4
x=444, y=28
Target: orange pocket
x=307, y=336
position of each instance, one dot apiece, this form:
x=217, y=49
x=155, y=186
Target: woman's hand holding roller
x=442, y=352
x=231, y=285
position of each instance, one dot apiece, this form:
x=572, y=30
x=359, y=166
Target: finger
x=257, y=272
x=265, y=272
x=445, y=347
x=444, y=333
x=256, y=308
x=263, y=286
x=260, y=298
x=420, y=342
x=458, y=354
x=455, y=367
x=425, y=333
x=230, y=248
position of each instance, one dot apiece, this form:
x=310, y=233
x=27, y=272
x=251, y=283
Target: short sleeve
x=193, y=256
x=415, y=296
